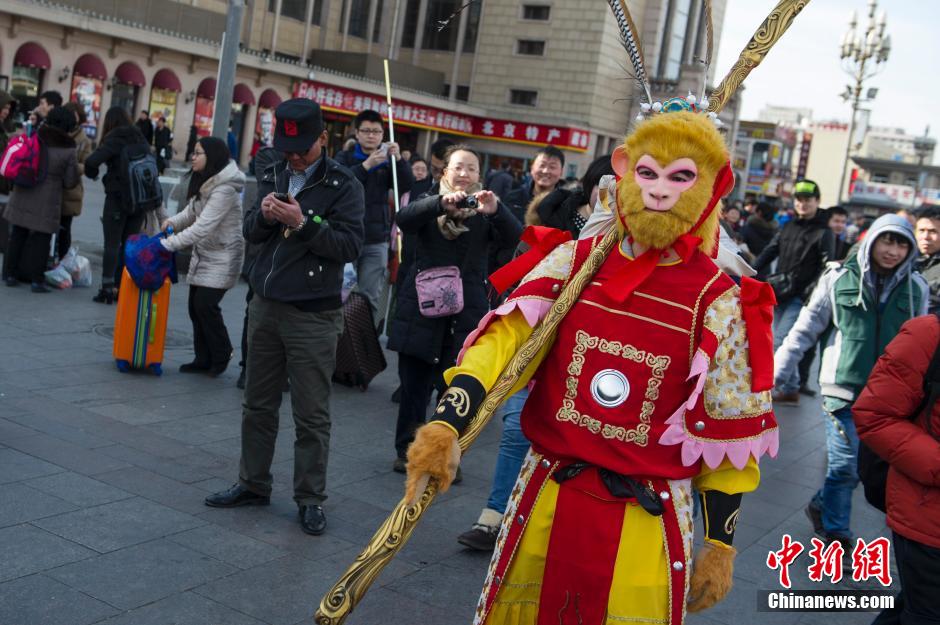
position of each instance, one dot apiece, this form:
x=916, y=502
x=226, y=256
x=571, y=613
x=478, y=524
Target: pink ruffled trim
x=713, y=453
x=534, y=310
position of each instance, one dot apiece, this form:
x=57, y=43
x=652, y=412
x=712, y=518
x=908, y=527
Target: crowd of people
x=855, y=288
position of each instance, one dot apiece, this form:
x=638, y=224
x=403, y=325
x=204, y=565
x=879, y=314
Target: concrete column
x=277, y=23
x=345, y=19
x=324, y=22
x=419, y=36
x=455, y=70
x=225, y=82
x=308, y=16
x=397, y=28
x=370, y=26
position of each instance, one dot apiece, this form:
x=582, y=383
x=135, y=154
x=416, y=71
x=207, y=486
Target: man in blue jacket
x=307, y=222
x=370, y=161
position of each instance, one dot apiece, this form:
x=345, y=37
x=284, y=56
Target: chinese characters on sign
x=410, y=114
x=870, y=560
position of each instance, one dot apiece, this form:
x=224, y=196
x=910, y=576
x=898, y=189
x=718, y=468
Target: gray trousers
x=284, y=341
x=370, y=274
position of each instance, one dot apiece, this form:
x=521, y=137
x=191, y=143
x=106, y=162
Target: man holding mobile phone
x=308, y=224
x=370, y=160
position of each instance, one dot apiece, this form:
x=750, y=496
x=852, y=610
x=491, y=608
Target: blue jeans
x=835, y=497
x=785, y=316
x=513, y=447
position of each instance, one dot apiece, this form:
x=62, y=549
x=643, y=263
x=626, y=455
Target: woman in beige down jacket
x=72, y=198
x=211, y=224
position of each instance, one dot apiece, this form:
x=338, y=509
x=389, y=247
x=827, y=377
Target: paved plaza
x=103, y=475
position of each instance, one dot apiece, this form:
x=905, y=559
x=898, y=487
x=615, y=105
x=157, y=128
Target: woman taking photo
x=34, y=212
x=212, y=220
x=448, y=233
x=117, y=132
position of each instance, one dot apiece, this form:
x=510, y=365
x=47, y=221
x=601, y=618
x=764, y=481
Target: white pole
x=394, y=166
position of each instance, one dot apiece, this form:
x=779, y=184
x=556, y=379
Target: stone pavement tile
x=18, y=346
x=453, y=588
x=432, y=543
x=229, y=448
x=25, y=550
x=774, y=489
x=228, y=546
x=284, y=591
x=119, y=524
x=10, y=429
x=167, y=467
x=138, y=575
x=740, y=608
x=78, y=489
x=133, y=387
x=130, y=413
x=183, y=609
x=57, y=377
x=38, y=599
x=808, y=475
x=386, y=607
x=764, y=514
x=16, y=466
x=345, y=469
x=279, y=527
x=75, y=357
x=66, y=454
x=157, y=488
x=213, y=484
x=87, y=436
x=201, y=429
x=20, y=503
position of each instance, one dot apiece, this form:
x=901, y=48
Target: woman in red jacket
x=895, y=391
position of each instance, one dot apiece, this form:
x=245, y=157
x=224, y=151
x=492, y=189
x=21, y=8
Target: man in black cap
x=801, y=248
x=308, y=222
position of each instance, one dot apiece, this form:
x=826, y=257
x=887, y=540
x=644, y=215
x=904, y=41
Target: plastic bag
x=59, y=277
x=350, y=280
x=79, y=268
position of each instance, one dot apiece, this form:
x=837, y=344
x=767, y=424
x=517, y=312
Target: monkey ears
x=620, y=161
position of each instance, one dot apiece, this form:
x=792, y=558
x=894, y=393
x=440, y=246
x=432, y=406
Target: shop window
x=530, y=47
x=437, y=12
x=463, y=92
x=358, y=17
x=879, y=176
x=536, y=12
x=125, y=96
x=673, y=45
x=297, y=9
x=523, y=97
x=24, y=86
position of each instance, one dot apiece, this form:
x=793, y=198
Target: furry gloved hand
x=711, y=575
x=434, y=453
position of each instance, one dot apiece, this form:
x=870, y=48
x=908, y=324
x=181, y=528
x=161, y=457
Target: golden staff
x=391, y=536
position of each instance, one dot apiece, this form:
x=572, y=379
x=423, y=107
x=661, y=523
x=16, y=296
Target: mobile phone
x=283, y=197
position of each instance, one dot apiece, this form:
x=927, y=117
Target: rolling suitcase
x=359, y=355
x=140, y=326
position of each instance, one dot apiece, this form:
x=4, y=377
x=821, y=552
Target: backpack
x=872, y=469
x=23, y=161
x=141, y=179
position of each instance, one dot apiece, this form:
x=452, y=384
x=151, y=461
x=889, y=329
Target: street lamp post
x=863, y=54
x=923, y=147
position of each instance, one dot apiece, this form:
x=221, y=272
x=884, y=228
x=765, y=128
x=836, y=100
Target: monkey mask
x=672, y=170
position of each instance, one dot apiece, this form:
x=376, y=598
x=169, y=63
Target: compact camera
x=470, y=202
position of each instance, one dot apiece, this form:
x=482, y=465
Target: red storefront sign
x=351, y=101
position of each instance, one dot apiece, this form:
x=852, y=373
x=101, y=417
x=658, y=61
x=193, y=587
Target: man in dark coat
x=145, y=126
x=927, y=230
x=370, y=161
x=801, y=248
x=308, y=221
x=162, y=141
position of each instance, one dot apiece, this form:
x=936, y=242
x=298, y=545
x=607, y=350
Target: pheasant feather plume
x=631, y=43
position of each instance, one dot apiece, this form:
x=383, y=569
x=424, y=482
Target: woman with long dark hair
x=34, y=212
x=212, y=219
x=117, y=223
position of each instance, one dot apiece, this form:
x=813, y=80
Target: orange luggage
x=140, y=326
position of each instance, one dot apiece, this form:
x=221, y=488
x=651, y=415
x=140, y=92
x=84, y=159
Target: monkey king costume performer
x=655, y=388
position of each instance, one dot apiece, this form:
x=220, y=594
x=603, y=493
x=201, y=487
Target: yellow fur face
x=667, y=138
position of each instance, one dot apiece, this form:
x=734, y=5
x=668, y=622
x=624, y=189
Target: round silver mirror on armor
x=610, y=388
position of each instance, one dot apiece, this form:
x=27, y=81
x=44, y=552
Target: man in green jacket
x=856, y=309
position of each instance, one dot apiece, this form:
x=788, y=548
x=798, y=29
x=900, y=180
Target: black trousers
x=117, y=226
x=26, y=254
x=210, y=337
x=418, y=378
x=918, y=603
x=64, y=242
x=242, y=363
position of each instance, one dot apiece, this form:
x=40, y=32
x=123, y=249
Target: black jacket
x=377, y=184
x=439, y=340
x=109, y=153
x=306, y=268
x=802, y=248
x=758, y=233
x=929, y=267
x=559, y=208
x=146, y=129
